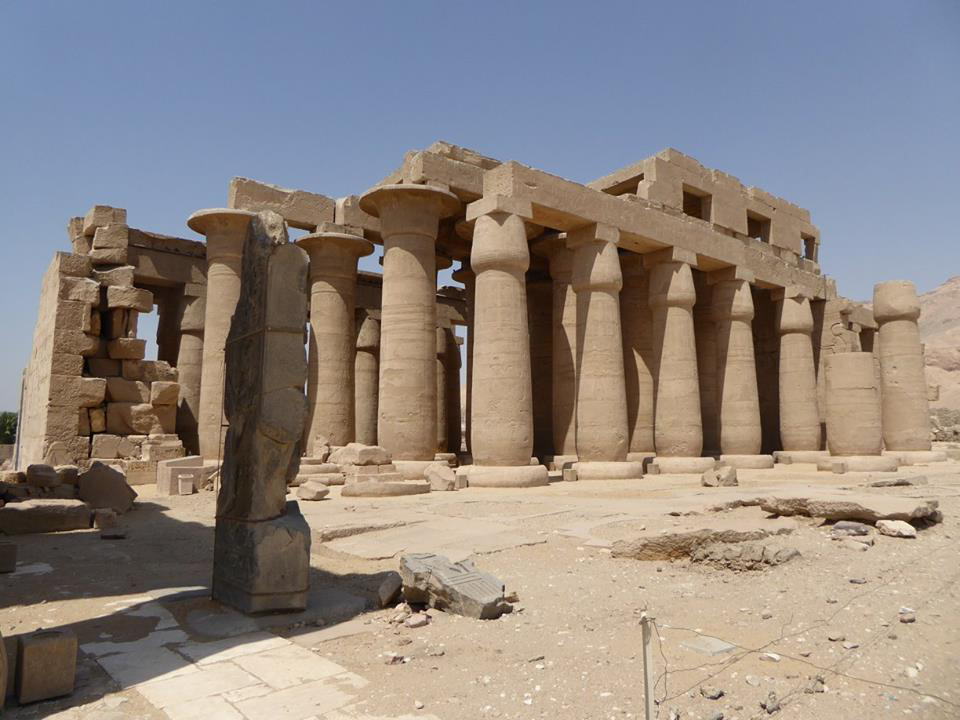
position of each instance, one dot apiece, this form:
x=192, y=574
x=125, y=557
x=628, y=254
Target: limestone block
x=167, y=417
x=108, y=256
x=102, y=215
x=63, y=423
x=103, y=367
x=127, y=391
x=159, y=452
x=896, y=528
x=105, y=446
x=41, y=515
x=68, y=474
x=127, y=348
x=441, y=477
x=116, y=323
x=299, y=208
x=58, y=453
x=8, y=563
x=865, y=507
x=152, y=371
x=80, y=289
x=10, y=646
x=105, y=487
x=312, y=491
x=75, y=342
x=69, y=264
x=185, y=486
x=47, y=665
x=454, y=587
x=111, y=237
x=98, y=420
x=122, y=275
x=140, y=472
x=91, y=391
x=42, y=476
x=104, y=518
x=131, y=298
x=81, y=246
x=358, y=454
x=164, y=393
x=169, y=473
x=83, y=422
x=66, y=364
x=134, y=419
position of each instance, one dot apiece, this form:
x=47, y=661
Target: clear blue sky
x=851, y=109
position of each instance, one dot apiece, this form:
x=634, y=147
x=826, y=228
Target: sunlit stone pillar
x=333, y=280
x=602, y=437
x=190, y=364
x=906, y=410
x=564, y=342
x=366, y=376
x=678, y=434
x=465, y=275
x=741, y=436
x=799, y=416
x=502, y=427
x=409, y=217
x=638, y=355
x=539, y=311
x=226, y=231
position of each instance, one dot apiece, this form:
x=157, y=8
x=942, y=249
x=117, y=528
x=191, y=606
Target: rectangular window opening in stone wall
x=809, y=246
x=696, y=203
x=758, y=226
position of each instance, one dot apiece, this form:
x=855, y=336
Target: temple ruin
x=656, y=320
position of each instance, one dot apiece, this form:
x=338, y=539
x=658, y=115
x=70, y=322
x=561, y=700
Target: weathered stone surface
x=127, y=348
x=896, y=528
x=357, y=454
x=8, y=563
x=139, y=419
x=312, y=491
x=745, y=555
x=672, y=545
x=42, y=476
x=454, y=587
x=68, y=474
x=130, y=298
x=441, y=477
x=853, y=506
x=101, y=216
x=899, y=481
x=851, y=527
x=164, y=393
x=299, y=208
x=115, y=236
x=389, y=591
x=47, y=665
x=105, y=487
x=42, y=515
x=262, y=542
x=381, y=488
x=723, y=476
x=330, y=478
x=120, y=390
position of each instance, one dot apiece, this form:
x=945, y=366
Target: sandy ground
x=572, y=647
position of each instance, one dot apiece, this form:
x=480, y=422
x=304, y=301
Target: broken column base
x=662, y=465
x=840, y=464
x=560, y=462
x=598, y=470
x=412, y=469
x=748, y=462
x=791, y=457
x=646, y=457
x=916, y=457
x=506, y=476
x=263, y=566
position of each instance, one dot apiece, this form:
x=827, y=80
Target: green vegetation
x=8, y=428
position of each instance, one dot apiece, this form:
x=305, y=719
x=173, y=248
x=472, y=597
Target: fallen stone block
x=319, y=469
x=745, y=555
x=105, y=487
x=359, y=454
x=834, y=505
x=896, y=528
x=441, y=477
x=375, y=488
x=899, y=482
x=311, y=490
x=723, y=476
x=389, y=591
x=104, y=518
x=42, y=476
x=11, y=646
x=47, y=665
x=680, y=543
x=8, y=557
x=329, y=479
x=851, y=527
x=453, y=587
x=41, y=515
x=68, y=474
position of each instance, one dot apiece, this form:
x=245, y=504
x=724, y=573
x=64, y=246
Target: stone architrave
x=333, y=256
x=564, y=364
x=366, y=376
x=225, y=231
x=262, y=542
x=903, y=384
x=409, y=221
x=638, y=355
x=465, y=275
x=799, y=416
x=741, y=435
x=502, y=406
x=678, y=433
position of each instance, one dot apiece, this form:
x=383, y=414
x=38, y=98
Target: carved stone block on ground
x=47, y=665
x=41, y=515
x=853, y=506
x=455, y=587
x=359, y=454
x=105, y=487
x=311, y=490
x=441, y=477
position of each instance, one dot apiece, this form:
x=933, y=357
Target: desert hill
x=940, y=332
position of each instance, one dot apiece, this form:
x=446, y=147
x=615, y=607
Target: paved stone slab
x=288, y=665
x=145, y=665
x=297, y=703
x=453, y=586
x=231, y=647
x=210, y=680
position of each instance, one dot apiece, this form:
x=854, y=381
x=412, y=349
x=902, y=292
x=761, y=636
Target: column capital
x=413, y=209
x=732, y=299
x=224, y=228
x=794, y=316
x=727, y=274
x=493, y=204
x=596, y=232
x=895, y=300
x=668, y=255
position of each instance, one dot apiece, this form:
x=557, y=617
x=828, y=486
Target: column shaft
x=366, y=378
x=705, y=329
x=638, y=355
x=799, y=417
x=190, y=365
x=539, y=320
x=465, y=275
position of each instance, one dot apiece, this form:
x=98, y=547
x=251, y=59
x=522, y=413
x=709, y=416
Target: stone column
x=638, y=355
x=465, y=275
x=564, y=364
x=367, y=376
x=330, y=376
x=906, y=410
x=678, y=434
x=741, y=435
x=409, y=218
x=442, y=379
x=854, y=434
x=454, y=412
x=168, y=302
x=261, y=556
x=602, y=437
x=225, y=231
x=799, y=416
x=190, y=364
x=705, y=330
x=539, y=309
x=502, y=427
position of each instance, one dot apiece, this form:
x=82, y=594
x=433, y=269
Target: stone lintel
x=595, y=232
x=301, y=209
x=489, y=204
x=731, y=273
x=789, y=292
x=670, y=254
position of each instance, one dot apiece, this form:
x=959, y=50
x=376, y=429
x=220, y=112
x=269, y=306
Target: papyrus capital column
x=678, y=432
x=740, y=430
x=638, y=353
x=409, y=219
x=502, y=423
x=226, y=231
x=799, y=417
x=330, y=378
x=366, y=376
x=906, y=410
